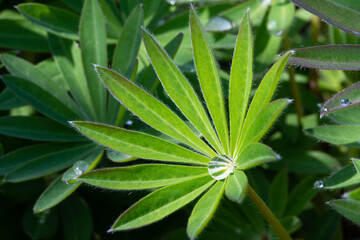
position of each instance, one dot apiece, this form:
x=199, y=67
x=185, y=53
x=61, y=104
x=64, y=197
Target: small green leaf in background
x=205, y=209
x=280, y=16
x=328, y=57
x=336, y=12
x=278, y=193
x=346, y=177
x=349, y=208
x=40, y=226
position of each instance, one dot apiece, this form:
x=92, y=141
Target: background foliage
x=48, y=49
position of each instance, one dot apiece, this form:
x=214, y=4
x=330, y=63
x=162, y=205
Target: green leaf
x=129, y=43
x=209, y=80
x=240, y=80
x=138, y=144
x=116, y=156
x=23, y=69
x=263, y=95
x=36, y=128
x=328, y=57
x=93, y=51
x=236, y=186
x=324, y=227
x=280, y=16
x=349, y=208
x=40, y=226
x=299, y=196
x=345, y=177
x=279, y=193
x=67, y=56
x=9, y=100
x=356, y=163
x=40, y=99
x=150, y=110
x=141, y=176
x=219, y=24
x=33, y=164
x=205, y=209
x=52, y=19
x=255, y=154
x=335, y=12
x=337, y=134
x=355, y=194
x=76, y=219
x=180, y=90
x=23, y=35
x=161, y=203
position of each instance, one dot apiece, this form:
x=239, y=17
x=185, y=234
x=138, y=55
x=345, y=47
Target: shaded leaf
x=8, y=100
x=279, y=193
x=40, y=226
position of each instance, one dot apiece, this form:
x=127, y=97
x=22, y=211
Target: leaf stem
x=268, y=215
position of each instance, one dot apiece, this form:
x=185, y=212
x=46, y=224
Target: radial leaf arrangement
x=211, y=165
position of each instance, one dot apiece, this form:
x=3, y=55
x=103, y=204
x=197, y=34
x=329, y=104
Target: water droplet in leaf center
x=220, y=167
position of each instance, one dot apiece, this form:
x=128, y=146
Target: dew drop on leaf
x=172, y=2
x=271, y=25
x=324, y=109
x=345, y=101
x=221, y=167
x=318, y=184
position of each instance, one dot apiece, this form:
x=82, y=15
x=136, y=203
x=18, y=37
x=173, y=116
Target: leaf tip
x=111, y=230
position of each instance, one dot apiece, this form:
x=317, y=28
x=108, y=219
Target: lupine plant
x=209, y=164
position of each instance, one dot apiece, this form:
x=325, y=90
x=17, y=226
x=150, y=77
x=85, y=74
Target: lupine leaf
x=279, y=193
x=240, y=80
x=236, y=186
x=328, y=57
x=37, y=128
x=141, y=176
x=209, y=80
x=180, y=90
x=161, y=203
x=67, y=56
x=348, y=176
x=150, y=110
x=280, y=16
x=337, y=134
x=138, y=144
x=334, y=12
x=42, y=100
x=205, y=209
x=55, y=20
x=37, y=161
x=253, y=155
x=349, y=208
x=356, y=163
x=9, y=100
x=93, y=51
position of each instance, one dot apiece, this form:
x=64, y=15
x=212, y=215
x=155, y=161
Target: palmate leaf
x=236, y=186
x=161, y=203
x=138, y=144
x=255, y=154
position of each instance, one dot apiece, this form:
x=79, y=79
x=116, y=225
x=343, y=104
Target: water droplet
x=318, y=184
x=345, y=101
x=220, y=167
x=129, y=122
x=75, y=171
x=78, y=171
x=271, y=25
x=292, y=52
x=172, y=2
x=324, y=109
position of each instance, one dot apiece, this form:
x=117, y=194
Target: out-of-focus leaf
x=356, y=163
x=353, y=194
x=345, y=177
x=219, y=24
x=138, y=144
x=37, y=128
x=76, y=5
x=236, y=186
x=39, y=160
x=40, y=99
x=291, y=224
x=48, y=66
x=68, y=60
x=280, y=16
x=240, y=81
x=141, y=176
x=150, y=110
x=349, y=208
x=161, y=203
x=21, y=34
x=9, y=100
x=337, y=134
x=324, y=227
x=93, y=51
x=116, y=156
x=279, y=193
x=205, y=209
x=177, y=87
x=334, y=12
x=299, y=196
x=55, y=20
x=208, y=75
x=255, y=154
x=76, y=219
x=40, y=226
x=329, y=57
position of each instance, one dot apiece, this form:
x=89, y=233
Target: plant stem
x=268, y=215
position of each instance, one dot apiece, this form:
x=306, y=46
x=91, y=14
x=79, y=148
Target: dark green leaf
x=40, y=226
x=345, y=177
x=349, y=208
x=8, y=100
x=278, y=193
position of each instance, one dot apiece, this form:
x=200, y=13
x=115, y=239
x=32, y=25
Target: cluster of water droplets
x=75, y=171
x=345, y=102
x=220, y=167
